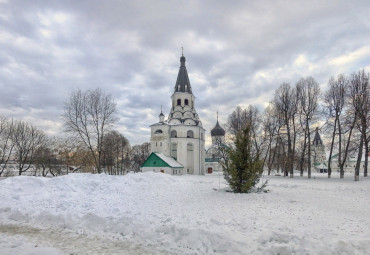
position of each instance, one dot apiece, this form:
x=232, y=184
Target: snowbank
x=184, y=214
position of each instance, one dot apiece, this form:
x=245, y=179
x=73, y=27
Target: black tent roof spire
x=317, y=139
x=161, y=114
x=182, y=82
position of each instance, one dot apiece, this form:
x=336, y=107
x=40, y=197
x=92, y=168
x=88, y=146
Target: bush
x=242, y=169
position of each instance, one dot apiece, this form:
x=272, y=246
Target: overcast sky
x=237, y=52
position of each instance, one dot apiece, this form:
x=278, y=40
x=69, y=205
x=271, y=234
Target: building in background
x=181, y=136
x=214, y=152
x=318, y=155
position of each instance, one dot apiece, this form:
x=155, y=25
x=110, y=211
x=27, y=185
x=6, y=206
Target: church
x=178, y=143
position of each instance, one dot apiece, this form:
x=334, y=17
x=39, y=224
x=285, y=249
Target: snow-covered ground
x=148, y=213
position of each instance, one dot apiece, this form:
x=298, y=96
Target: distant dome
x=217, y=130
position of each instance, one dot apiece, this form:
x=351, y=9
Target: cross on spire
x=182, y=50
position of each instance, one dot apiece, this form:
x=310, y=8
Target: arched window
x=173, y=134
x=178, y=101
x=190, y=134
x=186, y=102
x=158, y=131
x=201, y=136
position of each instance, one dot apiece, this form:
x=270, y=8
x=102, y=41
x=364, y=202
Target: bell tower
x=181, y=136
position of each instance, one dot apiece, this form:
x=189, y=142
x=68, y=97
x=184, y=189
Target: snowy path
x=157, y=213
x=17, y=239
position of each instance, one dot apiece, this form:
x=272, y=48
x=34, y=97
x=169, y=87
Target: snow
x=152, y=213
x=172, y=162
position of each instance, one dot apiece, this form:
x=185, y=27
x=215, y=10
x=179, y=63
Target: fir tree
x=243, y=169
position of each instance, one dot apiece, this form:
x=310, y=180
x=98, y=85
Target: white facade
x=181, y=136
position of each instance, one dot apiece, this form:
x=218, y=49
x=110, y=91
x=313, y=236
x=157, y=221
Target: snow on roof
x=172, y=162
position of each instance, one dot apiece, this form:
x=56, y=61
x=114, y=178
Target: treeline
x=283, y=133
x=90, y=144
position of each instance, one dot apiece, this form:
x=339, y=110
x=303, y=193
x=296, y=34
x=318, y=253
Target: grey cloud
x=131, y=49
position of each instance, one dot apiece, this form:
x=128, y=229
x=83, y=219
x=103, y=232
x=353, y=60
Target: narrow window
x=178, y=101
x=186, y=102
x=190, y=134
x=173, y=134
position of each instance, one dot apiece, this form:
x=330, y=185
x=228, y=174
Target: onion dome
x=217, y=130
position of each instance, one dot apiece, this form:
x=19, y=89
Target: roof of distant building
x=317, y=139
x=217, y=130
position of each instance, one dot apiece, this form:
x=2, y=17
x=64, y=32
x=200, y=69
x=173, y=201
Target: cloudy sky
x=238, y=53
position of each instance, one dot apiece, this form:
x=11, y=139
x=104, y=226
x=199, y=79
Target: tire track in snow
x=72, y=243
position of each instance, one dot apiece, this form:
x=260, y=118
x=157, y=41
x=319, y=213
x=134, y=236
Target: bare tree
x=27, y=139
x=286, y=108
x=6, y=145
x=88, y=115
x=255, y=121
x=237, y=120
x=46, y=158
x=251, y=116
x=115, y=148
x=72, y=153
x=138, y=155
x=359, y=98
x=271, y=128
x=308, y=93
x=335, y=101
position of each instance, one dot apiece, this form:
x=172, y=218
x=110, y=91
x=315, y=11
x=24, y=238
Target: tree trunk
x=309, y=150
x=366, y=142
x=303, y=153
x=347, y=147
x=366, y=158
x=331, y=147
x=358, y=163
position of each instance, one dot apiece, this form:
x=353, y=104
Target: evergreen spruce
x=242, y=169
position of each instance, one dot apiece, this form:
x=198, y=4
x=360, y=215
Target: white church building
x=177, y=143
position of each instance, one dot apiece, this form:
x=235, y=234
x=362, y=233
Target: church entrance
x=209, y=170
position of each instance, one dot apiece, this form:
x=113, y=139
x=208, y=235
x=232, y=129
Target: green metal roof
x=212, y=159
x=160, y=160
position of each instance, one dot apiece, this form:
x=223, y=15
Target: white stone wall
x=160, y=142
x=349, y=166
x=166, y=170
x=192, y=160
